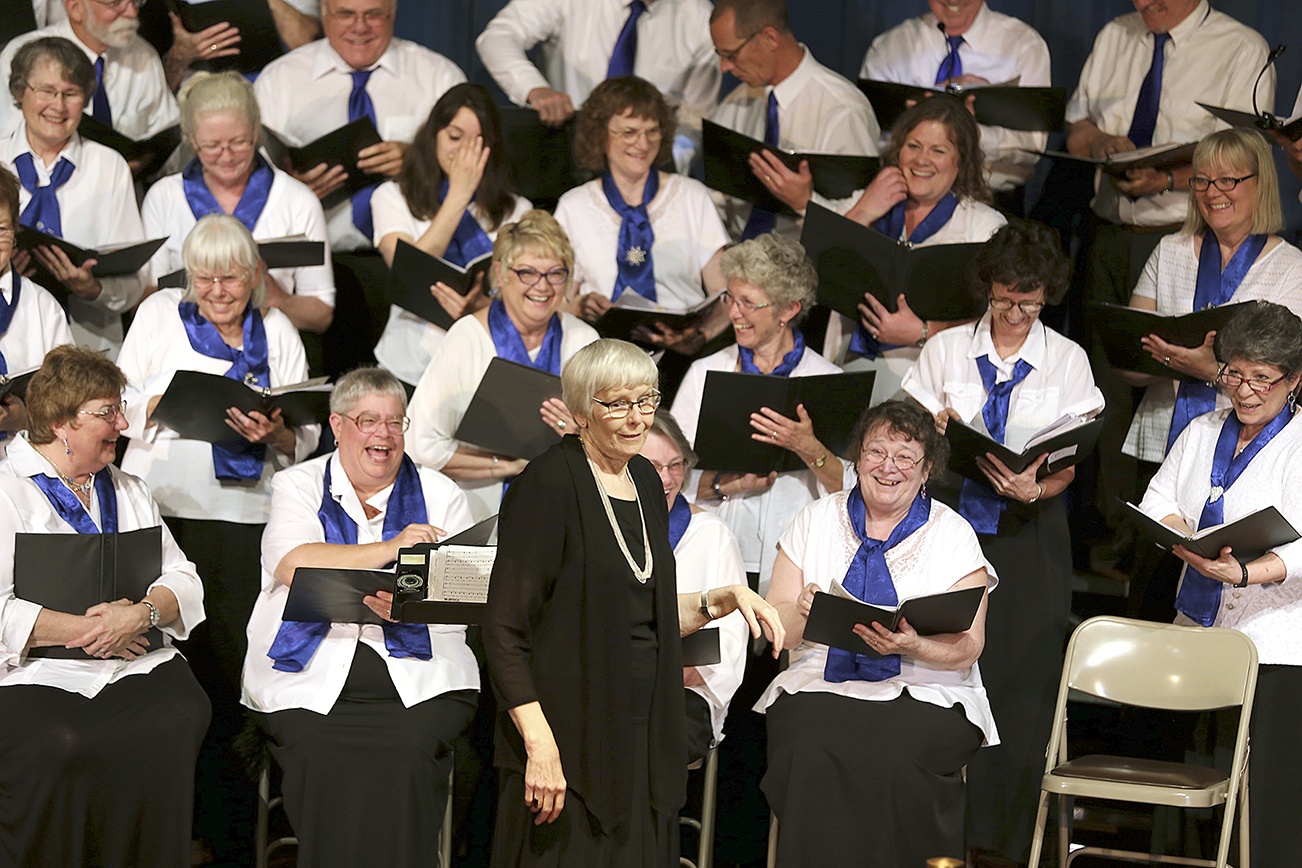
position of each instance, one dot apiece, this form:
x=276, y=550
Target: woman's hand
x=806, y=599
x=685, y=342
x=903, y=641
x=793, y=189
x=796, y=435
x=902, y=328
x=557, y=416
x=744, y=484
x=384, y=159
x=79, y=280
x=1224, y=569
x=887, y=190
x=381, y=603
x=692, y=677
x=1141, y=182
x=1199, y=361
x=416, y=534
x=544, y=783
x=943, y=417
x=1017, y=486
x=456, y=304
x=22, y=263
x=114, y=630
x=322, y=179
x=593, y=305
x=257, y=428
x=466, y=168
x=219, y=40
x=759, y=613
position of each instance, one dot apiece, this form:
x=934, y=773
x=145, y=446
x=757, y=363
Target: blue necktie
x=976, y=502
x=99, y=104
x=952, y=65
x=762, y=221
x=1150, y=96
x=625, y=53
x=360, y=106
x=42, y=211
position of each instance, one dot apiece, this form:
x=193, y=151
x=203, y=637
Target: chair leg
x=445, y=837
x=1244, y=816
x=773, y=841
x=1037, y=838
x=1066, y=804
x=709, y=805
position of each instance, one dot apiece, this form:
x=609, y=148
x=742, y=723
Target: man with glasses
x=787, y=99
x=131, y=92
x=584, y=42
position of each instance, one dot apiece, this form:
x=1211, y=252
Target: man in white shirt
x=586, y=41
x=816, y=109
x=965, y=42
x=129, y=73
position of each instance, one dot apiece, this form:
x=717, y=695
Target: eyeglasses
x=903, y=461
x=531, y=276
x=6, y=233
x=728, y=299
x=630, y=135
x=1199, y=184
x=107, y=414
x=618, y=409
x=371, y=17
x=673, y=468
x=72, y=96
x=214, y=149
x=230, y=281
x=731, y=56
x=119, y=5
x=368, y=424
x=1260, y=385
x=1030, y=308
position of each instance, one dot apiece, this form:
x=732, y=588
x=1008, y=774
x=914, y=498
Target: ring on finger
x=214, y=48
x=1166, y=361
x=560, y=424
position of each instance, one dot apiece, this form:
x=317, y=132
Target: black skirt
x=866, y=783
x=103, y=781
x=366, y=784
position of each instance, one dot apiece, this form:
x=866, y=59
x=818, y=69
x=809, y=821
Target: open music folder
x=413, y=273
x=1007, y=104
x=1250, y=536
x=1067, y=442
x=194, y=404
x=1122, y=328
x=503, y=414
x=833, y=616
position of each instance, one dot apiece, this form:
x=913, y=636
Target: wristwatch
x=153, y=613
x=705, y=605
x=922, y=338
x=819, y=461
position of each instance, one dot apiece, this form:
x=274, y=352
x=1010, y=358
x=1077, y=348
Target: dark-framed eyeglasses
x=1200, y=184
x=730, y=55
x=1030, y=308
x=621, y=407
x=531, y=276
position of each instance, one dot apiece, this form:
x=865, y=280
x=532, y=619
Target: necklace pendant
x=635, y=256
x=1217, y=492
x=250, y=379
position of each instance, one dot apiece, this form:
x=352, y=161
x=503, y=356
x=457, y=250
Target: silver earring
x=67, y=450
x=924, y=490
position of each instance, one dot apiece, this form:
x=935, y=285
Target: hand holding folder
x=833, y=616
x=1248, y=537
x=194, y=404
x=1066, y=443
x=1122, y=330
x=414, y=272
x=503, y=418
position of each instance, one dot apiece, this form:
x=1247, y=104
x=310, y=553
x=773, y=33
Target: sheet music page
x=460, y=574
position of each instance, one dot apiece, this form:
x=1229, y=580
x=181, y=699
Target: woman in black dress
x=582, y=636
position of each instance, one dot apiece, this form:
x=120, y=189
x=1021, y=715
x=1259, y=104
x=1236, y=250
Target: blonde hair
x=218, y=242
x=536, y=232
x=1247, y=152
x=602, y=365
x=213, y=92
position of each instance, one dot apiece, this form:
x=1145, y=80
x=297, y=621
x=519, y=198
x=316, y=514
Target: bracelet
x=153, y=613
x=1170, y=182
x=819, y=461
x=922, y=338
x=1039, y=492
x=705, y=605
x=1244, y=583
x=717, y=488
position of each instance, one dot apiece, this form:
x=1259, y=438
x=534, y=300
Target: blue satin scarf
x=680, y=516
x=1214, y=288
x=976, y=502
x=746, y=357
x=1200, y=597
x=637, y=271
x=42, y=211
x=891, y=224
x=252, y=201
x=297, y=641
x=470, y=241
x=249, y=366
x=869, y=579
x=7, y=311
x=510, y=346
x=70, y=509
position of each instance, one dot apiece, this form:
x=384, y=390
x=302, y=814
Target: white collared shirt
x=1210, y=58
x=408, y=342
x=1271, y=615
x=295, y=500
x=291, y=209
x=819, y=111
x=24, y=508
x=996, y=47
x=49, y=12
x=38, y=326
x=1060, y=384
x=97, y=208
x=1170, y=279
x=304, y=95
x=179, y=471
x=134, y=80
x=445, y=390
x=688, y=232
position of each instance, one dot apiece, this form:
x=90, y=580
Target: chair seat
x=1130, y=779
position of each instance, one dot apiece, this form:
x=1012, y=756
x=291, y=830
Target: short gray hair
x=667, y=427
x=601, y=365
x=360, y=382
x=218, y=242
x=777, y=265
x=70, y=60
x=1264, y=333
x=213, y=92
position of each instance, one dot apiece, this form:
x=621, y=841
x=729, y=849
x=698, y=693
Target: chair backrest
x=1163, y=666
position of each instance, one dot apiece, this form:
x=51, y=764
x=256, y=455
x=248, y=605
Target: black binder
x=153, y=152
x=324, y=595
x=338, y=147
x=16, y=18
x=413, y=273
x=194, y=405
x=1121, y=328
x=621, y=322
x=411, y=585
x=832, y=619
x=1160, y=157
x=503, y=414
x=70, y=572
x=702, y=648
x=259, y=40
x=539, y=158
x=723, y=441
x=1030, y=109
x=853, y=259
x=296, y=252
x=1065, y=449
x=1250, y=537
x=15, y=383
x=110, y=261
x=1265, y=122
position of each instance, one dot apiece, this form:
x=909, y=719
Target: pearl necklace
x=639, y=573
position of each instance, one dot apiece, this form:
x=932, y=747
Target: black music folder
x=727, y=169
x=325, y=595
x=259, y=40
x=109, y=260
x=1264, y=122
x=289, y=252
x=194, y=404
x=539, y=158
x=16, y=19
x=1067, y=442
x=152, y=152
x=413, y=273
x=503, y=414
x=723, y=441
x=338, y=147
x=1250, y=537
x=1121, y=328
x=702, y=648
x=15, y=383
x=70, y=572
x=447, y=582
x=1160, y=157
x=852, y=259
x=633, y=312
x=832, y=617
x=1029, y=109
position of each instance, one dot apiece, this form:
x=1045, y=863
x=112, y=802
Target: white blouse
x=39, y=325
x=822, y=543
x=295, y=499
x=180, y=471
x=24, y=508
x=1271, y=615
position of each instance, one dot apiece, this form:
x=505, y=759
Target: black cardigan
x=557, y=634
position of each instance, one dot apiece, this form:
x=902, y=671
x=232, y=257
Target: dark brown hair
x=9, y=196
x=612, y=97
x=907, y=419
x=1023, y=256
x=963, y=132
